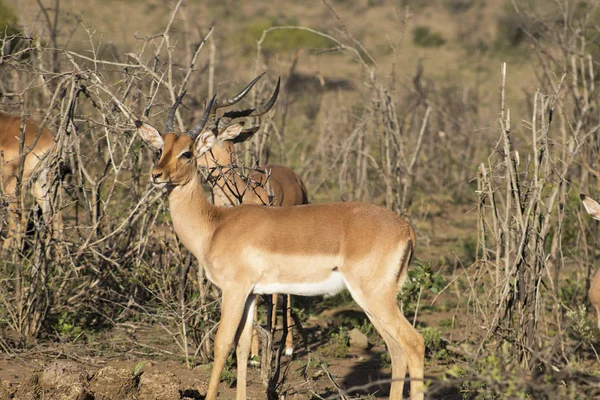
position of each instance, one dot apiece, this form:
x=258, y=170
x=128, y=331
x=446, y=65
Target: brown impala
x=270, y=184
x=307, y=250
x=10, y=133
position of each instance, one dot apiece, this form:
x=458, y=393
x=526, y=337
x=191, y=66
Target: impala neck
x=226, y=183
x=192, y=215
x=223, y=153
x=227, y=187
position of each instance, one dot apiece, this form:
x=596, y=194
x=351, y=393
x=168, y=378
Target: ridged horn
x=233, y=100
x=229, y=116
x=195, y=131
x=171, y=114
x=266, y=107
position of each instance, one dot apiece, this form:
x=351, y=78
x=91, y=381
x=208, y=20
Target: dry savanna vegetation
x=476, y=121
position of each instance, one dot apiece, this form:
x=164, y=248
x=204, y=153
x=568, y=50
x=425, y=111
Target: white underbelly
x=330, y=286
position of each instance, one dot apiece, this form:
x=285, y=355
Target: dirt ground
x=76, y=372
x=68, y=379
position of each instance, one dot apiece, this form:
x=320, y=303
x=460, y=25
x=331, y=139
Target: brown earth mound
x=65, y=380
x=113, y=384
x=159, y=386
x=28, y=390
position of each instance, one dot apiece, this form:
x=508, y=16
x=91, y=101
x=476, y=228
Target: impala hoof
x=254, y=361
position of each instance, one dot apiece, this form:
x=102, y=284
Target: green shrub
x=434, y=343
x=433, y=338
x=580, y=324
x=421, y=278
x=67, y=328
x=368, y=329
x=513, y=31
x=229, y=375
x=11, y=33
x=340, y=343
x=510, y=31
x=385, y=360
x=468, y=246
x=445, y=323
x=278, y=40
x=8, y=18
x=424, y=37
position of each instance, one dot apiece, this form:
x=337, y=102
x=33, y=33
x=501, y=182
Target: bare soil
x=69, y=372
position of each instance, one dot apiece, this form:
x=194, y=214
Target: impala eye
x=186, y=155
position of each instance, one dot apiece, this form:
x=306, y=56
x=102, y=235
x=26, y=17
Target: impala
x=42, y=141
x=593, y=208
x=307, y=250
x=271, y=184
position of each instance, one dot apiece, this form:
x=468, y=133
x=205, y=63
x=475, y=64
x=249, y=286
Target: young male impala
x=10, y=133
x=271, y=184
x=306, y=250
x=593, y=208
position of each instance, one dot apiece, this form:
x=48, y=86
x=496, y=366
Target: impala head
x=228, y=133
x=178, y=153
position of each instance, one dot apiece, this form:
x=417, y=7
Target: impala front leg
x=233, y=306
x=243, y=346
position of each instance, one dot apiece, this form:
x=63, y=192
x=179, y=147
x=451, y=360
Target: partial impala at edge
x=10, y=133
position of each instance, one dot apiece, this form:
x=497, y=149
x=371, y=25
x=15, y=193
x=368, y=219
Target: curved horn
x=266, y=107
x=171, y=115
x=231, y=101
x=195, y=131
x=250, y=112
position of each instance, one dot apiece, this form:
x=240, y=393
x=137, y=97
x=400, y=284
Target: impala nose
x=156, y=175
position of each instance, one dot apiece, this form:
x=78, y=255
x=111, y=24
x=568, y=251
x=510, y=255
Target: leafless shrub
x=525, y=191
x=113, y=257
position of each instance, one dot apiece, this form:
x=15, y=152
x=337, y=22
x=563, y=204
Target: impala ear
x=231, y=132
x=236, y=133
x=246, y=134
x=150, y=135
x=591, y=206
x=205, y=141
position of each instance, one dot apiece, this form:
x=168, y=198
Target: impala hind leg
x=404, y=342
x=398, y=357
x=287, y=315
x=233, y=309
x=254, y=345
x=289, y=339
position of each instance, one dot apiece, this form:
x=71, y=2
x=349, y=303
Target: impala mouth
x=159, y=185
